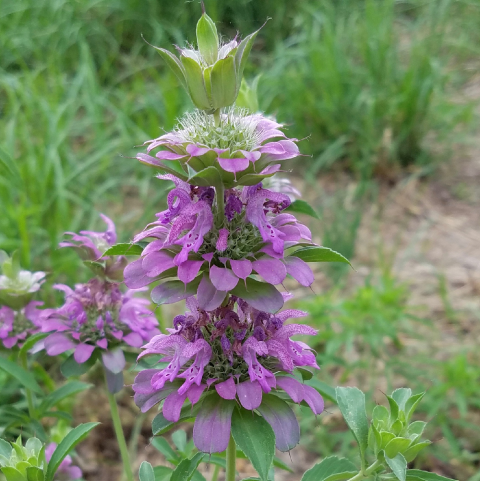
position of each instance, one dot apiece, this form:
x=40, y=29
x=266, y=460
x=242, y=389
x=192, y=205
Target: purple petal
x=173, y=405
x=313, y=399
x=155, y=263
x=292, y=387
x=242, y=268
x=167, y=155
x=249, y=394
x=135, y=276
x=226, y=389
x=188, y=270
x=291, y=150
x=57, y=344
x=103, y=343
x=83, y=352
x=233, y=165
x=134, y=339
x=299, y=270
x=272, y=270
x=211, y=432
x=114, y=360
x=272, y=148
x=195, y=151
x=223, y=279
x=283, y=421
x=143, y=381
x=209, y=298
x=194, y=392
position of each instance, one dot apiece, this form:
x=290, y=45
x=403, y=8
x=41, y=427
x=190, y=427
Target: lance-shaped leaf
x=124, y=249
x=68, y=389
x=206, y=178
x=160, y=425
x=302, y=207
x=419, y=475
x=260, y=295
x=207, y=39
x=195, y=83
x=351, y=402
x=331, y=468
x=26, y=378
x=241, y=56
x=69, y=442
x=222, y=81
x=173, y=291
x=320, y=254
x=398, y=465
x=255, y=438
x=187, y=468
x=174, y=64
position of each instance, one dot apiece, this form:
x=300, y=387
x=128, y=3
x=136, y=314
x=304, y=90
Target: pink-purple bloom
x=245, y=148
x=16, y=325
x=211, y=261
x=66, y=471
x=235, y=352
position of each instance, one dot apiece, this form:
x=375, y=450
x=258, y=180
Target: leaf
x=241, y=56
x=223, y=83
x=397, y=445
x=63, y=449
x=330, y=467
x=186, y=469
x=320, y=254
x=260, y=295
x=160, y=425
x=5, y=448
x=328, y=392
x=351, y=402
x=411, y=453
x=179, y=438
x=206, y=177
x=173, y=291
x=162, y=473
x=8, y=165
x=302, y=207
x=401, y=396
x=71, y=368
x=124, y=249
x=96, y=267
x=145, y=473
x=24, y=377
x=35, y=474
x=173, y=63
x=305, y=373
x=31, y=341
x=411, y=405
x=195, y=83
x=398, y=465
x=419, y=475
x=161, y=444
x=12, y=474
x=68, y=389
x=255, y=438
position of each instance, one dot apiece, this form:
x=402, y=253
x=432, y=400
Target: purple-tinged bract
x=16, y=325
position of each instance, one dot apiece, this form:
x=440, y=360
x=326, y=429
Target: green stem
x=133, y=441
x=216, y=472
x=231, y=455
x=366, y=472
x=216, y=117
x=117, y=425
x=31, y=405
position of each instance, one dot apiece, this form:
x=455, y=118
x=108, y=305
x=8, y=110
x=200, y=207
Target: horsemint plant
x=224, y=243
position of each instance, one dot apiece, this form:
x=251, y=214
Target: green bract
x=22, y=463
x=212, y=75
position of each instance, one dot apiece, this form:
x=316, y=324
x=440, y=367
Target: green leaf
x=179, y=438
x=162, y=473
x=207, y=39
x=31, y=341
x=35, y=474
x=380, y=413
x=401, y=396
x=124, y=249
x=5, y=448
x=161, y=444
x=416, y=429
x=302, y=207
x=174, y=291
x=394, y=409
x=241, y=56
x=398, y=465
x=145, y=473
x=255, y=438
x=96, y=267
x=223, y=83
x=397, y=445
x=419, y=475
x=324, y=389
x=63, y=449
x=320, y=254
x=160, y=425
x=305, y=373
x=195, y=83
x=278, y=463
x=331, y=468
x=24, y=377
x=206, y=178
x=186, y=469
x=12, y=474
x=411, y=453
x=351, y=402
x=411, y=405
x=260, y=295
x=70, y=367
x=68, y=389
x=9, y=168
x=174, y=64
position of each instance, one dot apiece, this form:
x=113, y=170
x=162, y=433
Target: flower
x=65, y=471
x=242, y=147
x=98, y=315
x=211, y=261
x=16, y=325
x=235, y=352
x=91, y=246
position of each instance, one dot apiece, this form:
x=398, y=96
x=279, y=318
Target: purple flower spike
x=16, y=325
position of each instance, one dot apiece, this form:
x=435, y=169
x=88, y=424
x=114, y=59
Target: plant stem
x=133, y=441
x=216, y=472
x=31, y=405
x=366, y=472
x=216, y=117
x=231, y=455
x=117, y=425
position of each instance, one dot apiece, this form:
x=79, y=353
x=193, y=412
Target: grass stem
x=231, y=458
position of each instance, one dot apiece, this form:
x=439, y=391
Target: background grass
x=376, y=85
